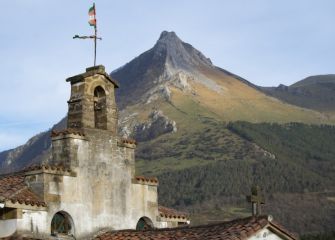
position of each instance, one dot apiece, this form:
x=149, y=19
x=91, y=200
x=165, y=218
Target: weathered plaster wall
x=101, y=195
x=144, y=203
x=8, y=227
x=32, y=223
x=67, y=150
x=108, y=172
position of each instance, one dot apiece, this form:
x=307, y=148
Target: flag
x=91, y=13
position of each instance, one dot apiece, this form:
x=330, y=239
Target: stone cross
x=256, y=199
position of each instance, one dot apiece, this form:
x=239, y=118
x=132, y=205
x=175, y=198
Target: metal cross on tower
x=93, y=22
x=256, y=199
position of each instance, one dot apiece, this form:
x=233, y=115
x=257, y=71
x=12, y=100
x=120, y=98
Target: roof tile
x=147, y=179
x=67, y=131
x=171, y=213
x=239, y=229
x=14, y=189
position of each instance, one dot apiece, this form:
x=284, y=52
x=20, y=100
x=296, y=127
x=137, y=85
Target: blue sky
x=266, y=42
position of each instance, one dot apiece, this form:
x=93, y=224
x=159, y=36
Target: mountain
x=147, y=73
x=175, y=73
x=315, y=92
x=185, y=114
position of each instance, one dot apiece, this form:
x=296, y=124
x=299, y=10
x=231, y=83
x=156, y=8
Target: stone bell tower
x=92, y=121
x=92, y=102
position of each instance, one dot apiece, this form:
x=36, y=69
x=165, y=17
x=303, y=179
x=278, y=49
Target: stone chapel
x=89, y=183
x=88, y=188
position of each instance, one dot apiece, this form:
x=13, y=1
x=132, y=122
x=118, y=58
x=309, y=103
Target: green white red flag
x=91, y=13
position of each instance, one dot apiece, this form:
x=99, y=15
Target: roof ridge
x=235, y=229
x=234, y=221
x=18, y=173
x=281, y=228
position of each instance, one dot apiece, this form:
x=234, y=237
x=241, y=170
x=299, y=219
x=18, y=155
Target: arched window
x=62, y=224
x=100, y=113
x=144, y=224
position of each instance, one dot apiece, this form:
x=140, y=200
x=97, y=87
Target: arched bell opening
x=100, y=109
x=62, y=224
x=144, y=223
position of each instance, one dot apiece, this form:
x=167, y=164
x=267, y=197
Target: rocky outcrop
x=156, y=125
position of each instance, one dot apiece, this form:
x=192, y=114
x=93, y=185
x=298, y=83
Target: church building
x=88, y=188
x=89, y=183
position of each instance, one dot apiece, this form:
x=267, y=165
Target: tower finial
x=93, y=22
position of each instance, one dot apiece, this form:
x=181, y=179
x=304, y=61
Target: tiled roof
x=238, y=229
x=14, y=189
x=171, y=213
x=55, y=133
x=142, y=179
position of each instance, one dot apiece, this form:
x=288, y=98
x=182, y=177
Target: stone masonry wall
x=82, y=102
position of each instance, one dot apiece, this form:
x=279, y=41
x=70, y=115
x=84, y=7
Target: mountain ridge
x=314, y=92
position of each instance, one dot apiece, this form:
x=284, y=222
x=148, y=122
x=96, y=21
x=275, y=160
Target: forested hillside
x=324, y=236
x=298, y=173
x=310, y=146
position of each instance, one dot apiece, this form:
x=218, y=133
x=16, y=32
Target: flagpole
x=95, y=36
x=92, y=22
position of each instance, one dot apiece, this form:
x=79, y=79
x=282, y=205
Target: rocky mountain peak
x=168, y=36
x=170, y=62
x=179, y=54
